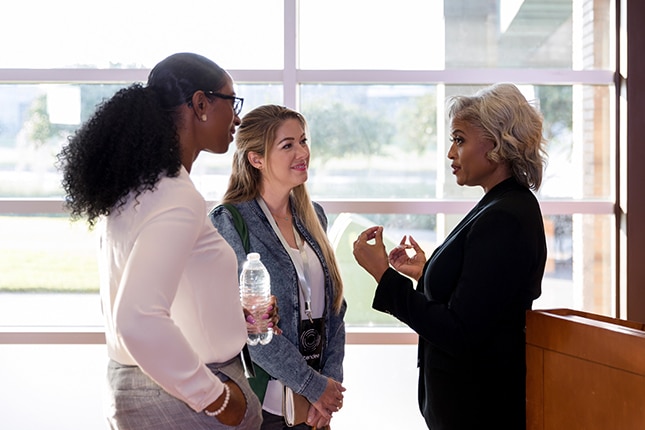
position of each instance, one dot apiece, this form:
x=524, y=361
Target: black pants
x=456, y=401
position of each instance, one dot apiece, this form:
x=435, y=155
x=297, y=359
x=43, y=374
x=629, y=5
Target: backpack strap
x=240, y=225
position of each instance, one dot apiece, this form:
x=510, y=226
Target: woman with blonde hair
x=267, y=187
x=473, y=292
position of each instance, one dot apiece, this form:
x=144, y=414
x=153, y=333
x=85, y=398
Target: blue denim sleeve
x=335, y=354
x=335, y=349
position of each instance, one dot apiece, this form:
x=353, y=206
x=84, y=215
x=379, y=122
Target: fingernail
x=250, y=319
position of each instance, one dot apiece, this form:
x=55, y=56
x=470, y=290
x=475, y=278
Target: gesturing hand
x=372, y=258
x=411, y=266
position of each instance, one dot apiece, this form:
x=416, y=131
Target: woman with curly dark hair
x=174, y=323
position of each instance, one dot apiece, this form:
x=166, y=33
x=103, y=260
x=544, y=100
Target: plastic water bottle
x=255, y=292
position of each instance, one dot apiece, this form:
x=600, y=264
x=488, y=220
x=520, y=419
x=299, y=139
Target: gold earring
x=204, y=118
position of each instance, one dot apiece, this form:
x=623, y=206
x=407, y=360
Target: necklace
x=286, y=218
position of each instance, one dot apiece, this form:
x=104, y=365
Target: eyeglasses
x=238, y=102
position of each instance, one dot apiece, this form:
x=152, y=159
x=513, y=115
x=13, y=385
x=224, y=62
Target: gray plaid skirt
x=136, y=402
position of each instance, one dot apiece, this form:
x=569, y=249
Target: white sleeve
x=148, y=286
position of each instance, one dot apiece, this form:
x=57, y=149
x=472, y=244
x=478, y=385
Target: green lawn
x=47, y=254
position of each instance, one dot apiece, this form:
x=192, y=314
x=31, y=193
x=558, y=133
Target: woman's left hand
x=411, y=266
x=316, y=419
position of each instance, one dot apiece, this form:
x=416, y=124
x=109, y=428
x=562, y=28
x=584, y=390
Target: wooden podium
x=584, y=371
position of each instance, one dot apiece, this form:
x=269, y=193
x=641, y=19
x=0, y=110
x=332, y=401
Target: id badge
x=311, y=341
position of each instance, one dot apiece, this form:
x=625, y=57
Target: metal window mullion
x=549, y=207
x=291, y=76
x=289, y=82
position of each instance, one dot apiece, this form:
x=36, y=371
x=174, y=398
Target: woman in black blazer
x=473, y=292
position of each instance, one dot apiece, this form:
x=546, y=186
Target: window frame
x=291, y=77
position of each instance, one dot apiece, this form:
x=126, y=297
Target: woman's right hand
x=371, y=256
x=411, y=266
x=272, y=315
x=234, y=412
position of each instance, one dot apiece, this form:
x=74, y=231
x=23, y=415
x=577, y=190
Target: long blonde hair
x=257, y=133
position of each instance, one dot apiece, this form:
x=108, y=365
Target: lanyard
x=303, y=272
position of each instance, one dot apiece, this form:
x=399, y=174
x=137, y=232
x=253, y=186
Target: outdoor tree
x=39, y=128
x=339, y=130
x=556, y=105
x=418, y=124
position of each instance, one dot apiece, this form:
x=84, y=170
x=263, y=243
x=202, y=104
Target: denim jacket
x=281, y=357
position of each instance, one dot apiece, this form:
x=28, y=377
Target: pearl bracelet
x=224, y=405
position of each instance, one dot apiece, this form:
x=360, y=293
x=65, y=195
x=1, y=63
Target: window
x=373, y=91
x=74, y=34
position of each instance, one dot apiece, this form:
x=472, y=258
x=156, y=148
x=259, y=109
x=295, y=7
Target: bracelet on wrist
x=224, y=405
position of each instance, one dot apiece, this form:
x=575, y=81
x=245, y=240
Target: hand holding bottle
x=255, y=293
x=272, y=315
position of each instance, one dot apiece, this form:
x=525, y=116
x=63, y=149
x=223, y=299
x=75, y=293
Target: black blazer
x=469, y=311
